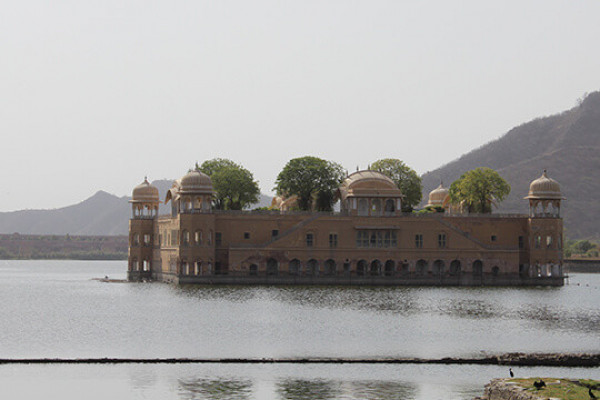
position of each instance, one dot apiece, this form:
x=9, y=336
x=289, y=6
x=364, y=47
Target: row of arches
x=144, y=210
x=191, y=204
x=544, y=208
x=376, y=267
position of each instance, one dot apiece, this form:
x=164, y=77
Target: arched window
x=363, y=207
x=136, y=239
x=185, y=238
x=389, y=207
x=198, y=238
x=376, y=207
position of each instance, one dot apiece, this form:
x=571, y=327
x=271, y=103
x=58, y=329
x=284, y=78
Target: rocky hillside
x=567, y=145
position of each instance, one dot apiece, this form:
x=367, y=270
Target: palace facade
x=368, y=242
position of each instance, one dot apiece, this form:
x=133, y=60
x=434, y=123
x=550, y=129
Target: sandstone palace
x=368, y=242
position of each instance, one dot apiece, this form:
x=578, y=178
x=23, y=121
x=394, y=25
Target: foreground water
x=56, y=309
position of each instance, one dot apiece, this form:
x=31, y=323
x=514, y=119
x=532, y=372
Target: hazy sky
x=97, y=94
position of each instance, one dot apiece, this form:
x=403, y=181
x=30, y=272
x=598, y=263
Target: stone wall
x=581, y=265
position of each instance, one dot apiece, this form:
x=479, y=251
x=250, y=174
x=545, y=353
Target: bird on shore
x=539, y=385
x=592, y=395
x=512, y=375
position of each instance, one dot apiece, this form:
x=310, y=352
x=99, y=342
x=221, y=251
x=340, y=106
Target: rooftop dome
x=437, y=196
x=369, y=183
x=195, y=182
x=544, y=188
x=144, y=192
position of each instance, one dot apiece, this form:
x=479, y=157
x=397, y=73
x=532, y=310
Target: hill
x=567, y=145
x=63, y=247
x=101, y=214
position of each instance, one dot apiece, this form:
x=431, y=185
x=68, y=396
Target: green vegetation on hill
x=581, y=249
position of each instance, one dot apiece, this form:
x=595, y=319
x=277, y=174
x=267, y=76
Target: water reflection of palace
x=368, y=242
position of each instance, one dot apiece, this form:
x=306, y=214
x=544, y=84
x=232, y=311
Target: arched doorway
x=376, y=268
x=477, y=268
x=405, y=269
x=330, y=267
x=438, y=267
x=294, y=267
x=389, y=268
x=253, y=270
x=361, y=267
x=272, y=266
x=421, y=267
x=312, y=267
x=455, y=267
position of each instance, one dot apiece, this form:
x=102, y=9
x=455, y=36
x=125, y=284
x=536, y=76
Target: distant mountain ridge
x=101, y=214
x=566, y=144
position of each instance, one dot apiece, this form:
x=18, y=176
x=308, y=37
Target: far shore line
x=585, y=360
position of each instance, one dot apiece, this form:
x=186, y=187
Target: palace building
x=368, y=242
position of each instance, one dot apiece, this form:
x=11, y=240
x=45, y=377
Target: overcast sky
x=96, y=94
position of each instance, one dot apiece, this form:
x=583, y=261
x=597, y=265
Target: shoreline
x=508, y=359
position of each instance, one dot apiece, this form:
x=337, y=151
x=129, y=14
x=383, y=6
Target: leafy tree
x=405, y=177
x=478, y=189
x=234, y=186
x=312, y=179
x=583, y=246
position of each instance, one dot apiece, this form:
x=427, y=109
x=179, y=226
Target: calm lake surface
x=54, y=309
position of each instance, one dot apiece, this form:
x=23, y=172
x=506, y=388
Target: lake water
x=54, y=309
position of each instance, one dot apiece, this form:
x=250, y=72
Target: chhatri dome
x=544, y=188
x=437, y=196
x=145, y=192
x=368, y=183
x=195, y=182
